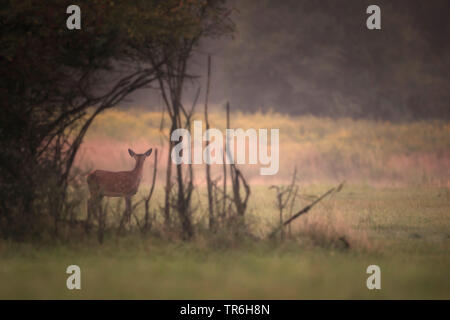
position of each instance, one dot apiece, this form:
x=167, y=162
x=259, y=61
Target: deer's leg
x=98, y=206
x=128, y=209
x=101, y=218
x=90, y=210
x=94, y=210
x=126, y=215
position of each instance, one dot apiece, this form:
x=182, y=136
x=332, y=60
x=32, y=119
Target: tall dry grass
x=323, y=149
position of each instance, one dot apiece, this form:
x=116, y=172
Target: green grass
x=406, y=231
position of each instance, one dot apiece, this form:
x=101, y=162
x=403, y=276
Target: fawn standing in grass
x=115, y=184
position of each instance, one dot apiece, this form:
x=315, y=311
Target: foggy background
x=318, y=57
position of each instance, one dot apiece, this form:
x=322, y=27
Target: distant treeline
x=318, y=57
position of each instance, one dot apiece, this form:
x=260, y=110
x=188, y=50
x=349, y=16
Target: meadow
x=394, y=212
x=323, y=149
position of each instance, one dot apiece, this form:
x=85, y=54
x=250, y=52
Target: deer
x=115, y=184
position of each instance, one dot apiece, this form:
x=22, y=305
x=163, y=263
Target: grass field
x=394, y=212
x=404, y=231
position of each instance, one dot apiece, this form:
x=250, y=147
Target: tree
x=212, y=16
x=55, y=82
x=318, y=57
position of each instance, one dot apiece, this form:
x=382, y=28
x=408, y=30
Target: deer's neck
x=138, y=169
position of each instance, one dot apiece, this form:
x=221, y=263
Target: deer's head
x=140, y=158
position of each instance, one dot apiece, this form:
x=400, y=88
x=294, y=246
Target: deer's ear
x=149, y=152
x=131, y=152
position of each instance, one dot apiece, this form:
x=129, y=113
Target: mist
x=319, y=58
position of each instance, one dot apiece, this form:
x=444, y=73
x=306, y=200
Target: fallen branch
x=306, y=209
